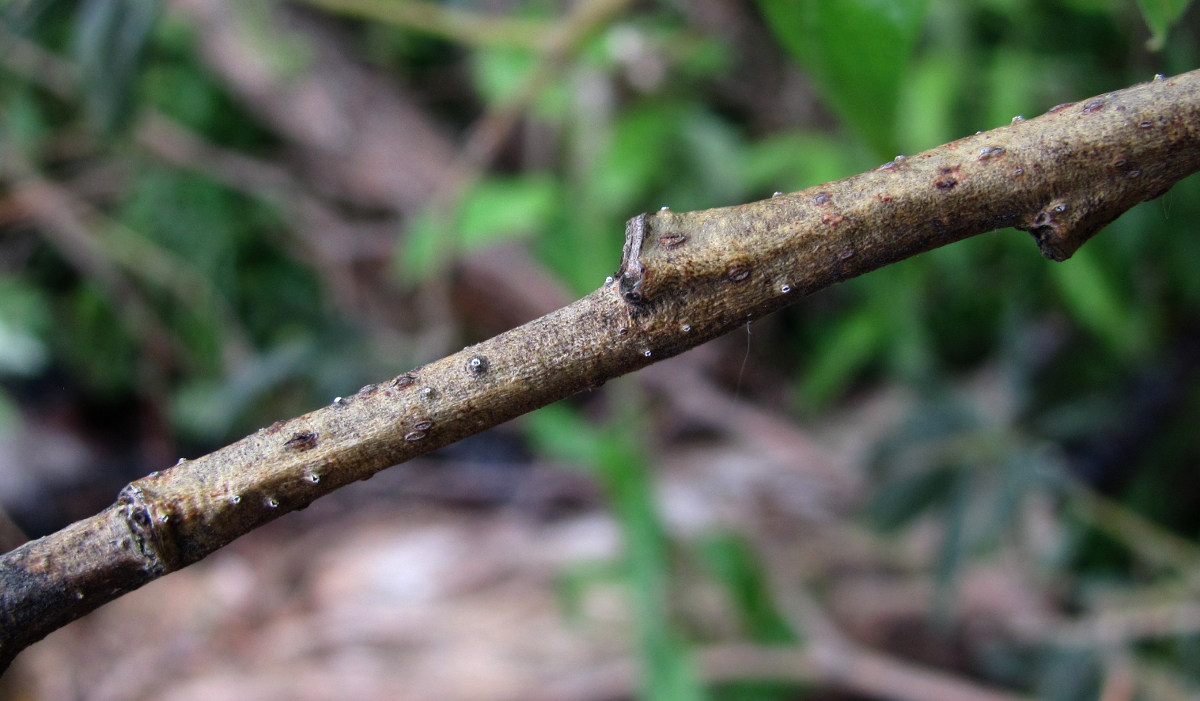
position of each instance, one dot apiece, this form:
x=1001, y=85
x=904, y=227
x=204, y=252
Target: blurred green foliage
x=614, y=456
x=653, y=110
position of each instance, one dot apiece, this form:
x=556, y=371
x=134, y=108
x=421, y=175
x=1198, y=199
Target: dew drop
x=664, y=208
x=785, y=288
x=1059, y=208
x=1019, y=171
x=686, y=328
x=777, y=193
x=313, y=477
x=647, y=353
x=181, y=461
x=79, y=595
x=340, y=401
x=1018, y=118
x=477, y=365
x=622, y=330
x=429, y=393
x=164, y=518
x=609, y=280
x=235, y=499
x=1158, y=77
x=271, y=502
x=413, y=436
x=1146, y=125
x=153, y=474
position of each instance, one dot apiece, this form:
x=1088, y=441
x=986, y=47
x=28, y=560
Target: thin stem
x=454, y=24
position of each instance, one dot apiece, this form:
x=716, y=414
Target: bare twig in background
x=452, y=23
x=844, y=667
x=489, y=133
x=685, y=278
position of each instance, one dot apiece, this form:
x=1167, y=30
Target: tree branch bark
x=684, y=278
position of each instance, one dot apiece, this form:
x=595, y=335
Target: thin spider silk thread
x=737, y=390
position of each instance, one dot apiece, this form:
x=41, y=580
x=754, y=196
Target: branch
x=684, y=278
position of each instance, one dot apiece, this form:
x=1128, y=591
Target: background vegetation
x=197, y=237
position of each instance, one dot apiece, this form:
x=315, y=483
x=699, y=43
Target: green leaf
x=110, y=38
x=730, y=559
x=844, y=351
x=210, y=408
x=10, y=414
x=24, y=318
x=504, y=208
x=496, y=209
x=857, y=52
x=1097, y=304
x=500, y=74
x=1159, y=16
x=929, y=103
x=793, y=161
x=639, y=152
x=902, y=499
x=613, y=453
x=22, y=122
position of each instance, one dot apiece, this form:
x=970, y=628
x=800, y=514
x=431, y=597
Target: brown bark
x=684, y=278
